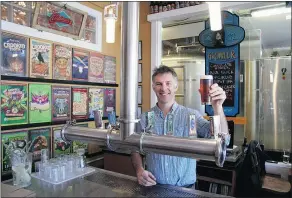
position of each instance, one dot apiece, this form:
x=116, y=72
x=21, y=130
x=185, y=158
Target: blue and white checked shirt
x=172, y=170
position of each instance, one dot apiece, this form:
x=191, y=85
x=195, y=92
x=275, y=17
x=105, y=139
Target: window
x=22, y=13
x=18, y=12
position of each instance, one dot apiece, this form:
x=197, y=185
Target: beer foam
x=208, y=77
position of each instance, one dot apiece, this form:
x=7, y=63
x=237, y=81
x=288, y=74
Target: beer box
x=109, y=69
x=79, y=144
x=40, y=103
x=79, y=103
x=59, y=145
x=15, y=139
x=13, y=103
x=109, y=101
x=61, y=103
x=96, y=72
x=80, y=65
x=62, y=62
x=14, y=55
x=95, y=100
x=40, y=59
x=40, y=139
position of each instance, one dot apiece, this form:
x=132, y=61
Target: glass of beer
x=206, y=82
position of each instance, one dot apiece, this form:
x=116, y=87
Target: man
x=172, y=170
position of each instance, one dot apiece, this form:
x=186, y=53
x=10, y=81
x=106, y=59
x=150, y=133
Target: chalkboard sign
x=224, y=76
x=222, y=60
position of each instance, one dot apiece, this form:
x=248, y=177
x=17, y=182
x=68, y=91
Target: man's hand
x=217, y=95
x=145, y=178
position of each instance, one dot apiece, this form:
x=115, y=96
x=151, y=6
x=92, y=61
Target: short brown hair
x=163, y=69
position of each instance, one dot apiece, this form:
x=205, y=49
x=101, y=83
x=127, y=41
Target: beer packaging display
x=80, y=65
x=16, y=139
x=13, y=103
x=40, y=139
x=109, y=101
x=95, y=101
x=109, y=69
x=40, y=103
x=14, y=55
x=96, y=73
x=79, y=103
x=78, y=144
x=62, y=62
x=61, y=103
x=59, y=146
x=40, y=59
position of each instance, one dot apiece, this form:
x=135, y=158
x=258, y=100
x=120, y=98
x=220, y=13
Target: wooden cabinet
x=212, y=178
x=120, y=163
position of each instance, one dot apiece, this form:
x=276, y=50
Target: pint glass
x=206, y=82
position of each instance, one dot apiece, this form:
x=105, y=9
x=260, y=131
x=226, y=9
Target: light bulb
x=110, y=29
x=215, y=16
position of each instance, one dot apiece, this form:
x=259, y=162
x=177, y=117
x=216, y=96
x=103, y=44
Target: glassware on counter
x=21, y=167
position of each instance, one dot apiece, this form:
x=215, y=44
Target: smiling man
x=165, y=169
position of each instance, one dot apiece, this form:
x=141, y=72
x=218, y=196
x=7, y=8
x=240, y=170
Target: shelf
x=201, y=10
x=213, y=180
x=43, y=124
x=54, y=81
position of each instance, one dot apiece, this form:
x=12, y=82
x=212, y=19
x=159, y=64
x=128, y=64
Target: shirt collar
x=173, y=108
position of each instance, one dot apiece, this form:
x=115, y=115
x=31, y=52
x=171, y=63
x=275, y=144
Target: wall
x=145, y=37
x=109, y=49
x=115, y=49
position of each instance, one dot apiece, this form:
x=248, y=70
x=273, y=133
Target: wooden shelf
x=54, y=81
x=214, y=180
x=201, y=10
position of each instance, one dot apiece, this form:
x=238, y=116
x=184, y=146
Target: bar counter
x=103, y=183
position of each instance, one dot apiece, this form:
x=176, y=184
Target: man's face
x=165, y=86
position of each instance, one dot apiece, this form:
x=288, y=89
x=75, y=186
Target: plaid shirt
x=179, y=171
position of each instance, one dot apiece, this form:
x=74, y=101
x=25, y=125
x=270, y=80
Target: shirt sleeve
x=203, y=125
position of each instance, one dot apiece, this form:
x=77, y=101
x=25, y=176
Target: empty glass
x=55, y=173
x=44, y=155
x=21, y=167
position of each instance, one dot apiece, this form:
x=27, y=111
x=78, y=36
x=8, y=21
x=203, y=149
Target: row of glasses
x=61, y=168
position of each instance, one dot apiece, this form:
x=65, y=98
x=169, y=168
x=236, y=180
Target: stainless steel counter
x=104, y=183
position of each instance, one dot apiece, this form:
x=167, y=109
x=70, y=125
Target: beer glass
x=206, y=82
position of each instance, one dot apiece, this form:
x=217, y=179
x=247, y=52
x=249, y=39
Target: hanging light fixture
x=110, y=17
x=215, y=16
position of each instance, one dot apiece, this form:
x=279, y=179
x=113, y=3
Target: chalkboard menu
x=224, y=76
x=222, y=59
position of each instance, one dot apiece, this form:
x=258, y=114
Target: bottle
x=155, y=7
x=151, y=7
x=168, y=5
x=164, y=6
x=160, y=6
x=172, y=5
x=177, y=5
x=181, y=4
